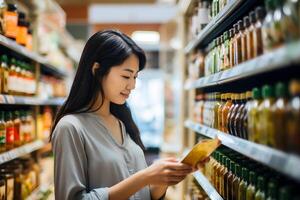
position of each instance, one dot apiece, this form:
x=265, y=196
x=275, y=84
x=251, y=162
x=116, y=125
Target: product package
x=201, y=151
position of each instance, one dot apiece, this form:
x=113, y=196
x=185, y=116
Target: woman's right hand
x=166, y=172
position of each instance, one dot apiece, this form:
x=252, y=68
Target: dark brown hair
x=108, y=48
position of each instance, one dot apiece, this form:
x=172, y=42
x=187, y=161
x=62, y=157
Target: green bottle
x=272, y=190
x=243, y=184
x=2, y=132
x=236, y=181
x=260, y=193
x=265, y=115
x=230, y=180
x=226, y=176
x=251, y=187
x=285, y=193
x=253, y=116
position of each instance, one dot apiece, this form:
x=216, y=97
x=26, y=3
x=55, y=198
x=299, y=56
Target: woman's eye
x=126, y=77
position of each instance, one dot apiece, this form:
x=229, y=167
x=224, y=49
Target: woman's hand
x=201, y=164
x=166, y=172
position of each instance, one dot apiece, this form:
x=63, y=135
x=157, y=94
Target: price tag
x=210, y=78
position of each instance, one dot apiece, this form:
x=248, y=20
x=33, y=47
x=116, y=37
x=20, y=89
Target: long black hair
x=108, y=48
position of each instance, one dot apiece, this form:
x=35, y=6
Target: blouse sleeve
x=70, y=165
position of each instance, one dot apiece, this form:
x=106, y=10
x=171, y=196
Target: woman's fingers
x=178, y=166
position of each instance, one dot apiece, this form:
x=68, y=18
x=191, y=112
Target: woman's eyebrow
x=129, y=70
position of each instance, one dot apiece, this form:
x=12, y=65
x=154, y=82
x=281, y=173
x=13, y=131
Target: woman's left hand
x=201, y=164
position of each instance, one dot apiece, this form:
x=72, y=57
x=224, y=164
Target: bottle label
x=10, y=135
x=2, y=137
x=22, y=35
x=11, y=24
x=10, y=189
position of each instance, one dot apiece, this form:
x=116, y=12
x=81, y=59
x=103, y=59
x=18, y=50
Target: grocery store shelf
x=45, y=66
x=215, y=23
x=277, y=59
x=23, y=100
x=20, y=151
x=283, y=162
x=207, y=187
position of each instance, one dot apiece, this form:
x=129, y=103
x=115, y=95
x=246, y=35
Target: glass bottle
x=260, y=193
x=225, y=110
x=272, y=190
x=291, y=20
x=238, y=121
x=285, y=193
x=253, y=115
x=260, y=14
x=5, y=74
x=223, y=173
x=219, y=169
x=238, y=42
x=243, y=184
x=216, y=107
x=214, y=169
x=236, y=181
x=265, y=115
x=2, y=132
x=9, y=131
x=226, y=176
x=223, y=101
x=279, y=112
x=268, y=40
x=250, y=36
x=217, y=55
x=231, y=48
x=251, y=189
x=235, y=100
x=230, y=181
x=293, y=119
x=12, y=79
x=245, y=115
x=17, y=123
x=276, y=26
x=244, y=40
x=226, y=62
x=233, y=113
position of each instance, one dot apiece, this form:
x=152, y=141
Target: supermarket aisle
x=215, y=68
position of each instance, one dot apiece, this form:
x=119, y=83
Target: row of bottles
x=14, y=25
x=269, y=115
x=51, y=87
x=16, y=77
x=19, y=178
x=264, y=29
x=236, y=177
x=16, y=128
x=203, y=12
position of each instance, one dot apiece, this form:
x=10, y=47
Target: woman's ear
x=95, y=67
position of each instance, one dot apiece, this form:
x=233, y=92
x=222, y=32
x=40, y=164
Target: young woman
x=97, y=146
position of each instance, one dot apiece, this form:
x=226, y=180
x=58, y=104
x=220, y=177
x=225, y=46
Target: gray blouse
x=88, y=160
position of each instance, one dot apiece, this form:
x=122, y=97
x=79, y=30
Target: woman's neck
x=104, y=110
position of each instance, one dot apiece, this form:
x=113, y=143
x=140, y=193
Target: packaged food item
x=201, y=151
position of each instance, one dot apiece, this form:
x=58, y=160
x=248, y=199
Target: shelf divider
x=207, y=187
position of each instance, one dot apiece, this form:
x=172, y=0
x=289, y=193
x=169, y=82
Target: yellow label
x=201, y=151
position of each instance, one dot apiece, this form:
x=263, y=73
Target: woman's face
x=119, y=82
